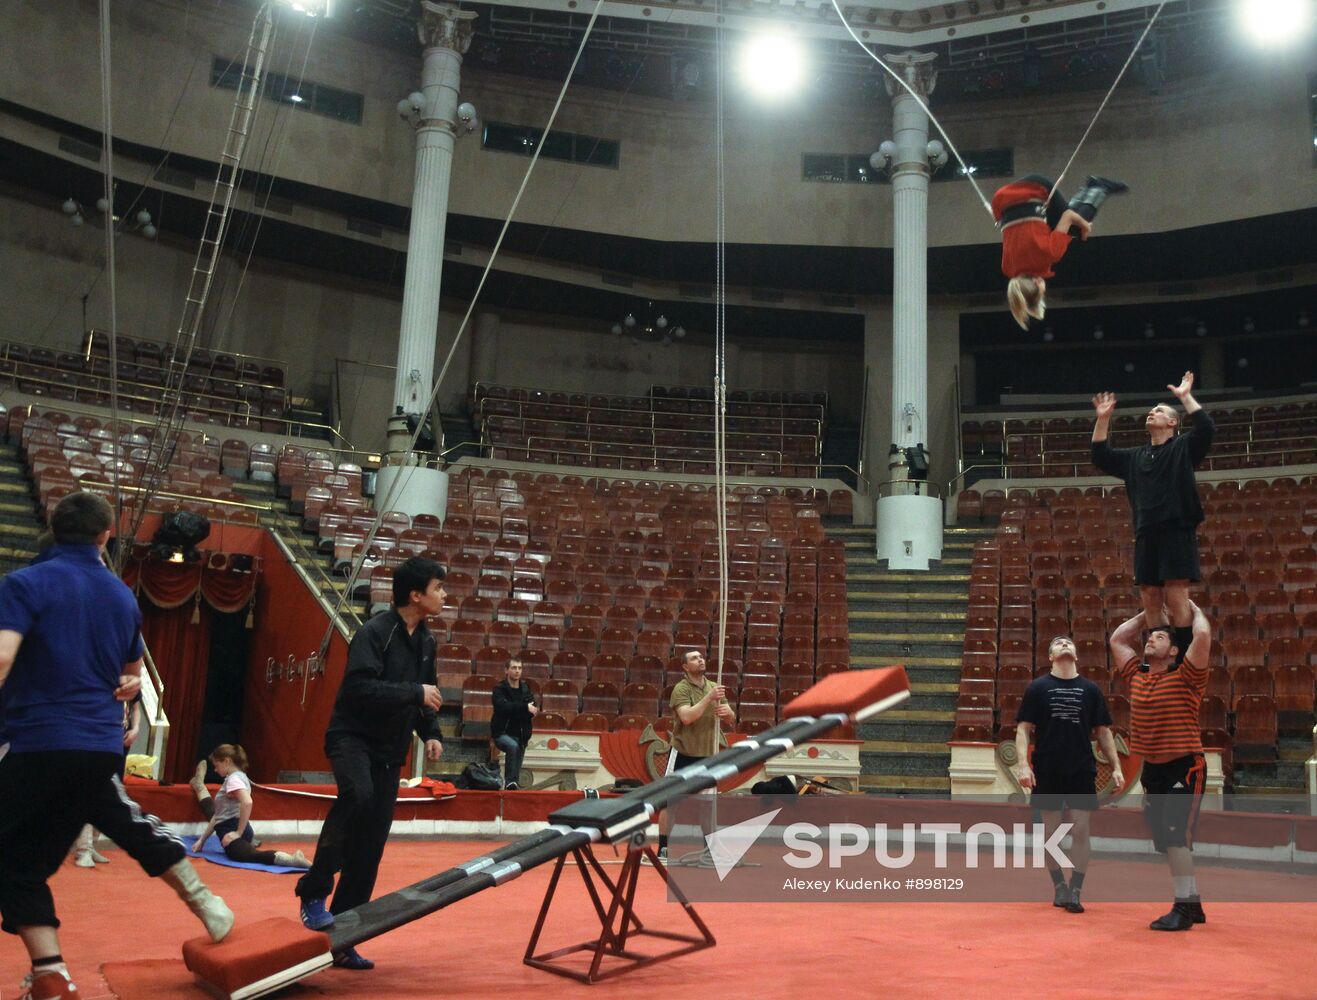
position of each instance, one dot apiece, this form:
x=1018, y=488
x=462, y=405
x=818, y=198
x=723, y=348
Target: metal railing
x=154, y=718
x=167, y=349
x=734, y=407
x=77, y=393
x=653, y=425
x=345, y=621
x=604, y=472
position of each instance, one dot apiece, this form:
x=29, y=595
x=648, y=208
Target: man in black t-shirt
x=1060, y=710
x=1163, y=496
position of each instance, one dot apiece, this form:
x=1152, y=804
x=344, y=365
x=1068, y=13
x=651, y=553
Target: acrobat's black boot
x=1107, y=184
x=1089, y=198
x=1179, y=919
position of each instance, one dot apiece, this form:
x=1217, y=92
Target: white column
x=446, y=34
x=909, y=520
x=910, y=249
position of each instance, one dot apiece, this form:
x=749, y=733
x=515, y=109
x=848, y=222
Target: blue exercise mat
x=212, y=851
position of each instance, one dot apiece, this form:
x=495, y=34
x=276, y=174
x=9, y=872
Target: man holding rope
x=699, y=705
x=1037, y=224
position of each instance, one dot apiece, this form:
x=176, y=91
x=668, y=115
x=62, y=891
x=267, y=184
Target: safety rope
x=405, y=460
x=964, y=167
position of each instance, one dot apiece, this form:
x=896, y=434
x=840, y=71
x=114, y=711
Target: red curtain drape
x=178, y=600
x=181, y=650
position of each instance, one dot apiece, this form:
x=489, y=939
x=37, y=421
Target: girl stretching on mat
x=231, y=810
x=1036, y=231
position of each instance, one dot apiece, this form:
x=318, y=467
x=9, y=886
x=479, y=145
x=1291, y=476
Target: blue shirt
x=80, y=625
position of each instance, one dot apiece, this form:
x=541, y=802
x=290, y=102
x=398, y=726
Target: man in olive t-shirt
x=698, y=703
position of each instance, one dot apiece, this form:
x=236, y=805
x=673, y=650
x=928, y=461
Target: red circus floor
x=114, y=914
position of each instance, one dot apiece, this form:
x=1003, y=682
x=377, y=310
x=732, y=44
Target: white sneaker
x=83, y=859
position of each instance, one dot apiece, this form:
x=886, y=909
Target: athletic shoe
x=1073, y=905
x=1179, y=919
x=315, y=917
x=1196, y=910
x=1061, y=899
x=48, y=986
x=348, y=958
x=511, y=786
x=83, y=859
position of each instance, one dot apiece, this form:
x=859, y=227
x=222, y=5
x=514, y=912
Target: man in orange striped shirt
x=1166, y=690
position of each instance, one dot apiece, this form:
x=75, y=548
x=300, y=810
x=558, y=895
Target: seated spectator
x=514, y=710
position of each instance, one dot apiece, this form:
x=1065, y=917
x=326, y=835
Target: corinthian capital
x=442, y=26
x=916, y=68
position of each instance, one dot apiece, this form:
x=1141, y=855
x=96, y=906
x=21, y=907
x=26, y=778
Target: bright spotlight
x=772, y=64
x=1274, y=22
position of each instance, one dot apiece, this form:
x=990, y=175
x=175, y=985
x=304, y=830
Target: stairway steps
x=865, y=661
x=884, y=783
x=908, y=730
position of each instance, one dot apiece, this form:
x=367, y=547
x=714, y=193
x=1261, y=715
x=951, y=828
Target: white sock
x=1185, y=886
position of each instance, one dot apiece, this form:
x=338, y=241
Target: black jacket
x=1159, y=481
x=511, y=714
x=380, y=701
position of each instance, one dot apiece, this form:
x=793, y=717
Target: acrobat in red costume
x=1036, y=232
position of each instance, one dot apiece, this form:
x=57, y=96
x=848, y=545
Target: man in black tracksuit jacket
x=388, y=692
x=510, y=729
x=1163, y=495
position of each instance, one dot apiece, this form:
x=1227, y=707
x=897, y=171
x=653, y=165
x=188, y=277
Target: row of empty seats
x=1060, y=563
x=213, y=389
x=766, y=433
x=1261, y=436
x=66, y=453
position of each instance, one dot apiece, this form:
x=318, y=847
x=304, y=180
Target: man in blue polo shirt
x=70, y=656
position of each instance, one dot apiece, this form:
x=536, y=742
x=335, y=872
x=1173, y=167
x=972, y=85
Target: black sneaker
x=511, y=786
x=350, y=958
x=1062, y=898
x=1196, y=913
x=1179, y=919
x=1073, y=905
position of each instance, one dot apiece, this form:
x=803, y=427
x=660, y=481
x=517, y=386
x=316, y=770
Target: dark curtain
x=230, y=642
x=181, y=650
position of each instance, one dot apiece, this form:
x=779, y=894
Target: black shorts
x=1166, y=552
x=1056, y=790
x=1172, y=799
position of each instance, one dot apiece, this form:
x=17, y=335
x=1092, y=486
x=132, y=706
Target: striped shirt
x=1164, y=709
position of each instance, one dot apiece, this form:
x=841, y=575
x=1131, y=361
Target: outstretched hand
x=1105, y=404
x=1184, y=388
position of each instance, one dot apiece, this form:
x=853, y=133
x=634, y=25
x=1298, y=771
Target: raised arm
x=1184, y=393
x=1104, y=405
x=1203, y=430
x=1125, y=643
x=1113, y=461
x=1200, y=646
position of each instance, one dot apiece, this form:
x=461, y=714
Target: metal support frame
x=615, y=906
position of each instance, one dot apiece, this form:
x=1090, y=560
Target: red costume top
x=1028, y=246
